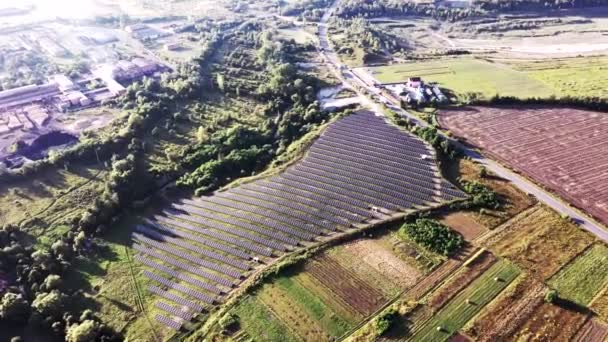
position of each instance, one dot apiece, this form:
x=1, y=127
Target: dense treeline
x=381, y=8
x=590, y=103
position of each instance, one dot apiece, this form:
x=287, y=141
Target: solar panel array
x=359, y=171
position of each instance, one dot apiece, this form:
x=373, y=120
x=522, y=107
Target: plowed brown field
x=563, y=149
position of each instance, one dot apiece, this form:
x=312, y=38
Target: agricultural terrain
x=558, y=148
x=201, y=248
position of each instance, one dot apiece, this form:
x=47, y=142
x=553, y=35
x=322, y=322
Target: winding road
x=349, y=78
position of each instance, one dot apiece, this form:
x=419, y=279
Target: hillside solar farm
x=359, y=172
x=562, y=149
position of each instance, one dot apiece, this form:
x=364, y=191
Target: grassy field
x=584, y=277
x=55, y=196
x=259, y=323
x=581, y=76
x=539, y=241
x=467, y=75
x=458, y=311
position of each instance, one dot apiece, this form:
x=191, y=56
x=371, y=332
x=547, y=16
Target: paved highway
x=349, y=78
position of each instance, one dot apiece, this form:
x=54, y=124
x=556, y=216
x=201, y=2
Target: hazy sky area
x=54, y=8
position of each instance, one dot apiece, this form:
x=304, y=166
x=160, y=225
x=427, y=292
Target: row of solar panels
x=349, y=174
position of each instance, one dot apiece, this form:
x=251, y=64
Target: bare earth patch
x=465, y=224
x=510, y=311
x=385, y=261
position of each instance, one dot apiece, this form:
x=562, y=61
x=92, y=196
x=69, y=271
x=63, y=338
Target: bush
x=228, y=321
x=385, y=321
x=551, y=296
x=434, y=236
x=482, y=196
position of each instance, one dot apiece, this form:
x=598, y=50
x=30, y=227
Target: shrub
x=434, y=236
x=551, y=296
x=385, y=321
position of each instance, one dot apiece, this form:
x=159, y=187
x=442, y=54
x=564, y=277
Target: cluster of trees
x=386, y=320
x=308, y=10
x=24, y=68
x=364, y=35
x=442, y=145
x=39, y=299
x=388, y=8
x=433, y=235
x=481, y=196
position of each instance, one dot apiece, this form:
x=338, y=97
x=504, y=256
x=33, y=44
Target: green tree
x=14, y=307
x=82, y=332
x=50, y=303
x=551, y=296
x=52, y=282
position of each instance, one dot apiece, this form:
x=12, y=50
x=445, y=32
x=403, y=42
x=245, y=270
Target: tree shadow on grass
x=569, y=305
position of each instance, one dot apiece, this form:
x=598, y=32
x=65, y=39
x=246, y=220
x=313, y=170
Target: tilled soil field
x=353, y=290
x=509, y=312
x=560, y=148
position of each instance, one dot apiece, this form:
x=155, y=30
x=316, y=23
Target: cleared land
x=584, y=277
x=562, y=149
x=467, y=75
x=538, y=240
x=551, y=323
x=510, y=310
x=467, y=303
x=465, y=224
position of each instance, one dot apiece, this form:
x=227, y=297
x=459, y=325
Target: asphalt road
x=349, y=78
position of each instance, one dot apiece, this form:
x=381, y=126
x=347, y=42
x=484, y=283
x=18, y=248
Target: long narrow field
x=584, y=277
x=467, y=303
x=360, y=171
x=562, y=149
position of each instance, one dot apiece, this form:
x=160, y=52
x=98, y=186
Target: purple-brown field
x=563, y=149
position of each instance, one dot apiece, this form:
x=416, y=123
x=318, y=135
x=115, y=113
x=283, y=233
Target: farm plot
x=332, y=293
x=551, y=323
x=584, y=277
x=360, y=170
x=463, y=223
x=538, y=236
x=592, y=331
x=467, y=303
x=461, y=280
x=562, y=149
x=466, y=75
x=510, y=311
